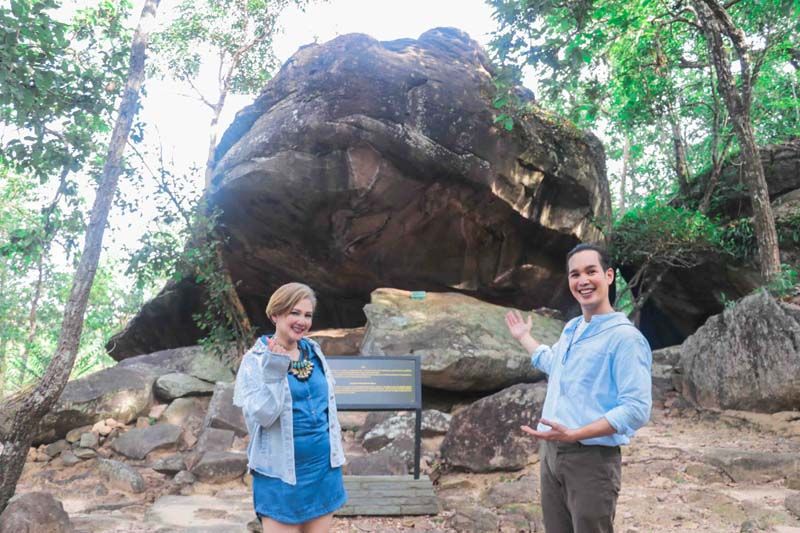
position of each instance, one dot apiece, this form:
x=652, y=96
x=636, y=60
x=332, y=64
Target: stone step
x=389, y=496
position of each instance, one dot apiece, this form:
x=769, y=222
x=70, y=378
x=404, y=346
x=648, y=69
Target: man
x=598, y=395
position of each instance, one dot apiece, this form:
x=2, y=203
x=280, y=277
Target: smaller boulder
x=215, y=440
x=35, y=512
x=222, y=414
x=137, y=443
x=170, y=465
x=792, y=503
x=376, y=464
x=89, y=440
x=220, y=467
x=184, y=478
x=74, y=435
x=486, y=436
x=177, y=385
x=121, y=476
x=68, y=458
x=52, y=450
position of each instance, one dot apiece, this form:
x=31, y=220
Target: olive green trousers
x=579, y=485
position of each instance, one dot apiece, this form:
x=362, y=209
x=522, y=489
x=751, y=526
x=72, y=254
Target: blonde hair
x=287, y=296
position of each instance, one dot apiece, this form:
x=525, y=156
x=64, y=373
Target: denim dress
x=319, y=489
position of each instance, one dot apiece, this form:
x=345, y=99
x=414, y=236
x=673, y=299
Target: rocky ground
x=686, y=471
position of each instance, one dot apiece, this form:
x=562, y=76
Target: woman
x=285, y=389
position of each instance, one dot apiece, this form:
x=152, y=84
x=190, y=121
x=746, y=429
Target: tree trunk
x=626, y=157
x=715, y=22
x=679, y=150
x=3, y=334
x=37, y=294
x=212, y=141
x=20, y=415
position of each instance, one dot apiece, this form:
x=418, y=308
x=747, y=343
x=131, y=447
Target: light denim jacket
x=605, y=372
x=262, y=391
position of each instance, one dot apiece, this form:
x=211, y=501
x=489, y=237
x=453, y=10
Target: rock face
x=35, y=512
x=485, y=436
x=367, y=164
x=746, y=358
x=462, y=342
x=125, y=391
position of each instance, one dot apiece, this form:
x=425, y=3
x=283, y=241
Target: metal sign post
x=380, y=383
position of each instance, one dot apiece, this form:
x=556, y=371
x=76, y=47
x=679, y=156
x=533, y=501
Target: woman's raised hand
x=517, y=326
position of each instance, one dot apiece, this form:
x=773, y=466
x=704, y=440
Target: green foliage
x=786, y=284
x=60, y=80
x=238, y=33
x=654, y=232
x=634, y=68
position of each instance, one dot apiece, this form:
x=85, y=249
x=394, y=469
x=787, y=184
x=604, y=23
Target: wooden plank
x=389, y=496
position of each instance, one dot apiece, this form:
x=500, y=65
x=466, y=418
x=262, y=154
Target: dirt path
x=684, y=472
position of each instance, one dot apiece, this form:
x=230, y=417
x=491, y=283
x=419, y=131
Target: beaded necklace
x=302, y=368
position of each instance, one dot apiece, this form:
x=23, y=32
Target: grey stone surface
x=459, y=339
x=35, y=512
x=470, y=519
x=402, y=425
x=171, y=464
x=792, y=503
x=376, y=464
x=219, y=467
x=184, y=478
x=185, y=412
x=222, y=414
x=177, y=385
x=752, y=466
x=746, y=358
x=137, y=443
x=68, y=458
x=519, y=491
x=120, y=475
x=55, y=448
x=89, y=440
x=486, y=436
x=397, y=142
x=84, y=453
x=215, y=440
x=74, y=435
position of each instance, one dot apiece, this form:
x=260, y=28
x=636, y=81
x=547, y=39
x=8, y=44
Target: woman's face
x=295, y=323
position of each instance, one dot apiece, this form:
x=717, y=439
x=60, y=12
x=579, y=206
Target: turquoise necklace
x=302, y=368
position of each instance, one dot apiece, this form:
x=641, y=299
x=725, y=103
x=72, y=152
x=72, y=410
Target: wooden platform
x=389, y=496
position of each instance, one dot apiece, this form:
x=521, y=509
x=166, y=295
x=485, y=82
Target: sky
x=180, y=122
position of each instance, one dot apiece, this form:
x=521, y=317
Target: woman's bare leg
x=319, y=525
x=268, y=525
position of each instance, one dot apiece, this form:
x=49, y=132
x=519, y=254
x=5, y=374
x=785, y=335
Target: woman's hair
x=287, y=296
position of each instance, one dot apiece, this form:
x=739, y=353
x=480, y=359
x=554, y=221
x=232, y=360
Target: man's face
x=588, y=283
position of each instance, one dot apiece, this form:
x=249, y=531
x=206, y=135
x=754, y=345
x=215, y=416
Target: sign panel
x=376, y=382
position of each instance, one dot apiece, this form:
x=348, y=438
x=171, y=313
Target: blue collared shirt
x=605, y=372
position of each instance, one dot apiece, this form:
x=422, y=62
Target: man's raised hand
x=517, y=326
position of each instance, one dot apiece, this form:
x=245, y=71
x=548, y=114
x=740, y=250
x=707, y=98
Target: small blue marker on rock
x=417, y=295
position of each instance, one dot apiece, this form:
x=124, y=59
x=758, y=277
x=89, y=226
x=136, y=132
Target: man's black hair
x=605, y=263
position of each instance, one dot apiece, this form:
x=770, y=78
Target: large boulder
x=367, y=164
x=486, y=436
x=747, y=358
x=121, y=393
x=463, y=343
x=124, y=392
